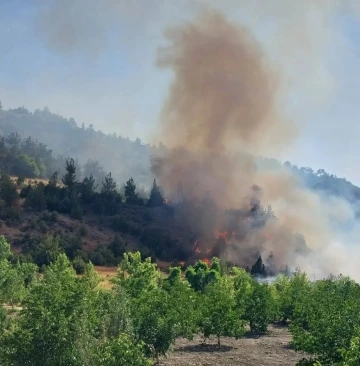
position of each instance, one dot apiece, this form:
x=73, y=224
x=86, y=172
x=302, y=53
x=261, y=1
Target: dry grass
x=30, y=181
x=106, y=274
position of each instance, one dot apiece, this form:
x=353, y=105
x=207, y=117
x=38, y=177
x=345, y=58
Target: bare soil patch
x=272, y=349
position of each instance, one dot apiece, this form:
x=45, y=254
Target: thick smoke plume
x=221, y=112
x=217, y=114
x=222, y=101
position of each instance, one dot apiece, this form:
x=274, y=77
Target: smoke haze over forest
x=219, y=83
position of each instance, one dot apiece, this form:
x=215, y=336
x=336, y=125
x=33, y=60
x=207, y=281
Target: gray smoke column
x=221, y=111
x=222, y=101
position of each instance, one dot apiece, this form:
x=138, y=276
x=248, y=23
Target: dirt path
x=270, y=350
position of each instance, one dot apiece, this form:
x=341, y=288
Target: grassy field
x=106, y=273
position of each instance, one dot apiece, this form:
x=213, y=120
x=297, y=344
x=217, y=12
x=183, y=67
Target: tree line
x=61, y=319
x=68, y=138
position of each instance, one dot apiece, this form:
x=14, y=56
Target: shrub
x=83, y=229
x=79, y=265
x=119, y=223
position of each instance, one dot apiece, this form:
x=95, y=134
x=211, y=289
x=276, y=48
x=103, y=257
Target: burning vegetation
x=220, y=113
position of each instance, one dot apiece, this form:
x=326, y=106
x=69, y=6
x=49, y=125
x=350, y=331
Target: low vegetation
x=62, y=319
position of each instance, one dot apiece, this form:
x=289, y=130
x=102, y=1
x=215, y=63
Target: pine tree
x=108, y=189
x=130, y=191
x=109, y=197
x=87, y=189
x=156, y=197
x=69, y=179
x=259, y=268
x=54, y=180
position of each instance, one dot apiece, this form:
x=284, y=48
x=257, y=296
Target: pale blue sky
x=101, y=70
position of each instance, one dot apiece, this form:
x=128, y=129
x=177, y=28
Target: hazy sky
x=95, y=61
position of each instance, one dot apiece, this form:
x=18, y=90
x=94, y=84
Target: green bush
x=326, y=318
x=79, y=265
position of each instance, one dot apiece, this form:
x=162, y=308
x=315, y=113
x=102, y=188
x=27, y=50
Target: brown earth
x=273, y=349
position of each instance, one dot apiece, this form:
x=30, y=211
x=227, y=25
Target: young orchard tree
x=327, y=318
x=243, y=282
x=136, y=275
x=184, y=303
x=259, y=307
x=155, y=321
x=219, y=314
x=290, y=291
x=200, y=275
x=14, y=279
x=121, y=351
x=57, y=320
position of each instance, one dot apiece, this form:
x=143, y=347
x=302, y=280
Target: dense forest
x=97, y=152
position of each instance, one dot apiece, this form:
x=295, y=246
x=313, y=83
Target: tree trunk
x=218, y=337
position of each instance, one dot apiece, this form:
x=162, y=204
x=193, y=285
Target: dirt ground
x=272, y=349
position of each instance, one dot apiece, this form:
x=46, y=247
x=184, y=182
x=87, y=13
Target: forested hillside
x=105, y=153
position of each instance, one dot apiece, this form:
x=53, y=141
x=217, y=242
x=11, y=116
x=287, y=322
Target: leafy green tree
x=155, y=322
x=156, y=198
x=200, y=275
x=25, y=166
x=114, y=311
x=5, y=250
x=185, y=303
x=351, y=355
x=327, y=318
x=121, y=351
x=243, y=282
x=290, y=291
x=56, y=319
x=174, y=276
x=136, y=275
x=48, y=250
x=258, y=310
x=219, y=315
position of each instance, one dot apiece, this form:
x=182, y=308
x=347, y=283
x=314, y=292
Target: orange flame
x=221, y=234
x=207, y=261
